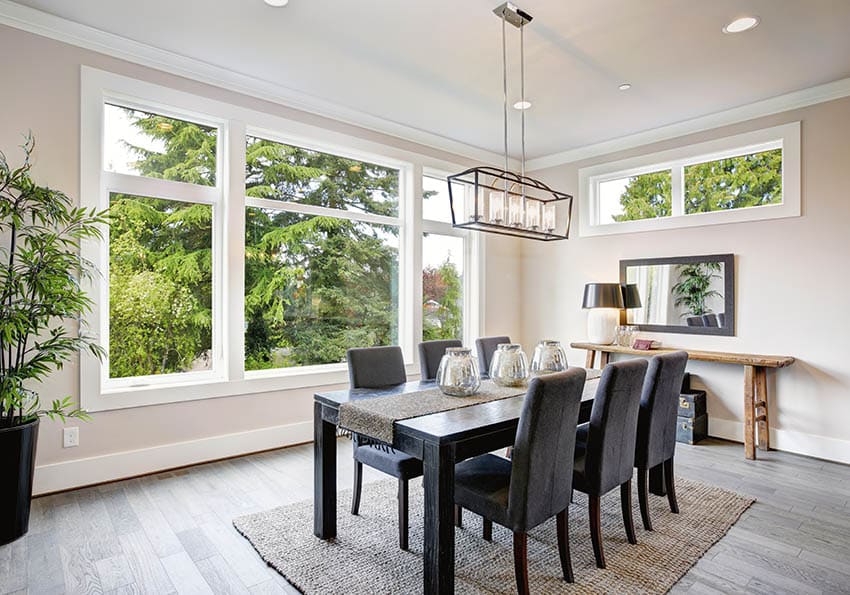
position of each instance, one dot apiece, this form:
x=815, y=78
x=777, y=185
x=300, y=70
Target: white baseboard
x=810, y=445
x=120, y=465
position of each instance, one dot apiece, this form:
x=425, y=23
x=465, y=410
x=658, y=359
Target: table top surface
x=723, y=357
x=446, y=425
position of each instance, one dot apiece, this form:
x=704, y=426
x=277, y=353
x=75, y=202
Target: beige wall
x=41, y=92
x=793, y=288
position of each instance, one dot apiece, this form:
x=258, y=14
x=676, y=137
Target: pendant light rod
x=505, y=92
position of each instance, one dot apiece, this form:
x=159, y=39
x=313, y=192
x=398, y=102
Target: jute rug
x=365, y=558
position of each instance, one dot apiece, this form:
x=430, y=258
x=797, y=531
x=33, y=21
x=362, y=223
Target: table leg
x=604, y=356
x=761, y=404
x=588, y=361
x=324, y=475
x=656, y=480
x=439, y=558
x=749, y=412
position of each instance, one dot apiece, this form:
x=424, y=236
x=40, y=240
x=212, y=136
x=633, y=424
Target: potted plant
x=41, y=300
x=694, y=287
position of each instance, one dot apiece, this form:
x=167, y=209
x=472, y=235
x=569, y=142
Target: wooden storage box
x=690, y=430
x=692, y=403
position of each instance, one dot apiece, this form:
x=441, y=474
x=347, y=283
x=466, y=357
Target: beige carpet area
x=365, y=558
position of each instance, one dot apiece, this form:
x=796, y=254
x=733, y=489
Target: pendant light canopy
x=499, y=200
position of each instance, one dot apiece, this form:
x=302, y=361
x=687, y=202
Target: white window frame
x=785, y=137
x=472, y=247
x=230, y=378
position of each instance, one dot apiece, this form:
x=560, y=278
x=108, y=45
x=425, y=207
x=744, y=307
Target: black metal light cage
x=511, y=184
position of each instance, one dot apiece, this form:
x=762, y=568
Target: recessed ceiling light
x=625, y=87
x=522, y=105
x=740, y=25
x=276, y=3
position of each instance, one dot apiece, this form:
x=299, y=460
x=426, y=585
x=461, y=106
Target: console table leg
x=588, y=361
x=761, y=404
x=603, y=359
x=749, y=413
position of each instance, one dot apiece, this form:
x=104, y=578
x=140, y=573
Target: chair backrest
x=612, y=431
x=486, y=348
x=430, y=354
x=542, y=459
x=374, y=367
x=659, y=404
x=695, y=321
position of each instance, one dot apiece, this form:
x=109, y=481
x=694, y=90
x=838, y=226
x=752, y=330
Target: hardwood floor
x=172, y=532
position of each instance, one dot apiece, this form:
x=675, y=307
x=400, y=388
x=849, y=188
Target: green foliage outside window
x=647, y=196
x=442, y=302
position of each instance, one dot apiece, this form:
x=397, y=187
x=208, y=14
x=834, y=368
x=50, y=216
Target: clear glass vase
x=457, y=374
x=548, y=357
x=509, y=366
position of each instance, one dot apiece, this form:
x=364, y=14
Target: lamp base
x=602, y=325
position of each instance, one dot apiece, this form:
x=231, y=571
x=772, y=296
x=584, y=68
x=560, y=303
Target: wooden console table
x=756, y=423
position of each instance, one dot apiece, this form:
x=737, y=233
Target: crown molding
x=766, y=107
x=79, y=35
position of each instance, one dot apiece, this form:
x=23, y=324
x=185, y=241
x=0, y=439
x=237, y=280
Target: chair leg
x=596, y=529
x=521, y=562
x=487, y=532
x=626, y=505
x=358, y=487
x=670, y=485
x=643, y=497
x=458, y=516
x=402, y=513
x=564, y=545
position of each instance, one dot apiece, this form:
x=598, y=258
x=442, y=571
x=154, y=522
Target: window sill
x=255, y=382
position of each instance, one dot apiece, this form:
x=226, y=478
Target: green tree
x=720, y=185
x=442, y=297
x=646, y=196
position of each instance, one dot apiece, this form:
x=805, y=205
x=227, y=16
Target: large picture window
x=321, y=255
x=246, y=253
x=747, y=177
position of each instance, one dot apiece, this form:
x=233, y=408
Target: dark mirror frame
x=728, y=260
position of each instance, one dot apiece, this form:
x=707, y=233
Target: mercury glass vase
x=548, y=357
x=509, y=366
x=457, y=374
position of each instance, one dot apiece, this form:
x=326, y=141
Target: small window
x=644, y=196
x=146, y=144
x=436, y=205
x=740, y=182
x=442, y=286
x=747, y=177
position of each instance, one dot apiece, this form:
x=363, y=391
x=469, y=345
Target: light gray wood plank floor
x=172, y=532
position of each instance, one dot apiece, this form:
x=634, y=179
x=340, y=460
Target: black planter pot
x=17, y=466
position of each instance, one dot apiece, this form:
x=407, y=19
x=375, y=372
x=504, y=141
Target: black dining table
x=440, y=440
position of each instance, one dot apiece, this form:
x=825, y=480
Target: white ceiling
x=435, y=65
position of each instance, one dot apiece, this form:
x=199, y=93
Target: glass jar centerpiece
x=509, y=366
x=549, y=357
x=457, y=374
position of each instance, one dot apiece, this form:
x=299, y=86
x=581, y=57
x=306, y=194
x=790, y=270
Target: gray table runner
x=376, y=417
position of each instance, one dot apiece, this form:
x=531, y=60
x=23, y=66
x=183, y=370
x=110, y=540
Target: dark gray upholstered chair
x=656, y=430
x=376, y=367
x=721, y=319
x=535, y=485
x=486, y=348
x=430, y=354
x=605, y=446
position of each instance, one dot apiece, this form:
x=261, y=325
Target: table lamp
x=631, y=296
x=604, y=300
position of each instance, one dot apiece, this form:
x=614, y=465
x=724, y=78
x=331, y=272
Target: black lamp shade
x=631, y=296
x=602, y=295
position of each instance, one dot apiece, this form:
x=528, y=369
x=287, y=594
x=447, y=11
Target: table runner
x=376, y=417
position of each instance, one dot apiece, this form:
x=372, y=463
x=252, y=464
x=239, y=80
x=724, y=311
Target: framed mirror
x=681, y=294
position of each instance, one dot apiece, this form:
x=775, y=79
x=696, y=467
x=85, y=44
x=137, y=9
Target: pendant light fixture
x=501, y=201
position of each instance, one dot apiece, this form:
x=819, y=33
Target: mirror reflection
x=685, y=292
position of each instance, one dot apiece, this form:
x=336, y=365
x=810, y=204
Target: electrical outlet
x=70, y=437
